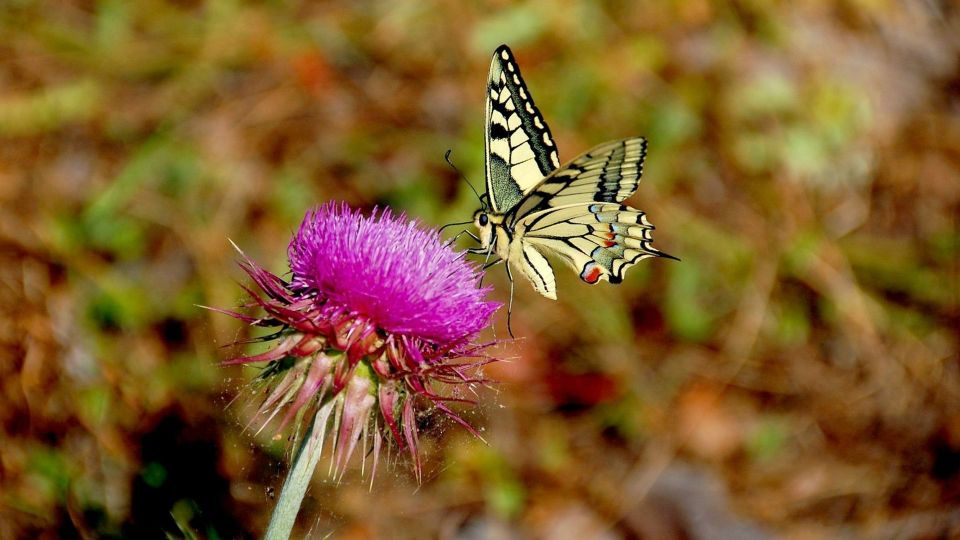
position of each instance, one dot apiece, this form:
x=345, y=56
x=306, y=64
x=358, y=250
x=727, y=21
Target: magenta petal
x=391, y=270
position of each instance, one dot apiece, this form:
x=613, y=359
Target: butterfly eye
x=482, y=220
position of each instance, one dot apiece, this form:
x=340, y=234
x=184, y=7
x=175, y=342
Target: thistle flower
x=374, y=322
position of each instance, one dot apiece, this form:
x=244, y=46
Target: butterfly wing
x=518, y=146
x=600, y=241
x=535, y=266
x=608, y=173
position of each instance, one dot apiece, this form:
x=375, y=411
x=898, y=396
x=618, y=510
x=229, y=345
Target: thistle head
x=378, y=318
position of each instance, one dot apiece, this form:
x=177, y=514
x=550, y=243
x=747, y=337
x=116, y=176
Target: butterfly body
x=535, y=208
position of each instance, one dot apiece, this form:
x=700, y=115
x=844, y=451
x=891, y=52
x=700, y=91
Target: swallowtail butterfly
x=535, y=208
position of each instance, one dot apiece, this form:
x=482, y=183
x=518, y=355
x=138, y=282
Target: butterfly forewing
x=518, y=145
x=608, y=173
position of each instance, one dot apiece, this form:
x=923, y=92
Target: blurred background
x=795, y=376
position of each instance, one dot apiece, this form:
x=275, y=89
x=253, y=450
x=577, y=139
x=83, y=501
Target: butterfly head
x=481, y=220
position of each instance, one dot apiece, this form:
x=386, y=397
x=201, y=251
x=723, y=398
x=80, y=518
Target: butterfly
x=534, y=208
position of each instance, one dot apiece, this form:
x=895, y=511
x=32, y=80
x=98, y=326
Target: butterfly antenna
x=455, y=224
x=446, y=157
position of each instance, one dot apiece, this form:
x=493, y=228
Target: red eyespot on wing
x=610, y=239
x=591, y=273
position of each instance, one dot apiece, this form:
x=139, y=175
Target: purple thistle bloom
x=371, y=326
x=396, y=274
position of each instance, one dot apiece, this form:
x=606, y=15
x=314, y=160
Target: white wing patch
x=518, y=138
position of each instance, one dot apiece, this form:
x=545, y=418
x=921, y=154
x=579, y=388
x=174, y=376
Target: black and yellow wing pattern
x=600, y=241
x=573, y=213
x=608, y=173
x=519, y=147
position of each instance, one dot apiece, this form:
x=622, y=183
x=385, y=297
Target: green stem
x=298, y=480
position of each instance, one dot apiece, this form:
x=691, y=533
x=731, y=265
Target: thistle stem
x=298, y=479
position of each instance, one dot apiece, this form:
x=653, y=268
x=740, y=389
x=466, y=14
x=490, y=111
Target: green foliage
x=767, y=440
x=518, y=24
x=687, y=308
x=50, y=109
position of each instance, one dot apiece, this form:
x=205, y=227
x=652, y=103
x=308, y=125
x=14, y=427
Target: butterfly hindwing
x=538, y=270
x=608, y=173
x=600, y=241
x=518, y=145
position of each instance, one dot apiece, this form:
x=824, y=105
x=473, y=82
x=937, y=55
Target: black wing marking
x=608, y=173
x=518, y=145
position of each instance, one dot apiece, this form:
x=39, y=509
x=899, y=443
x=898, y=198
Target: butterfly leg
x=486, y=261
x=510, y=303
x=485, y=267
x=453, y=240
